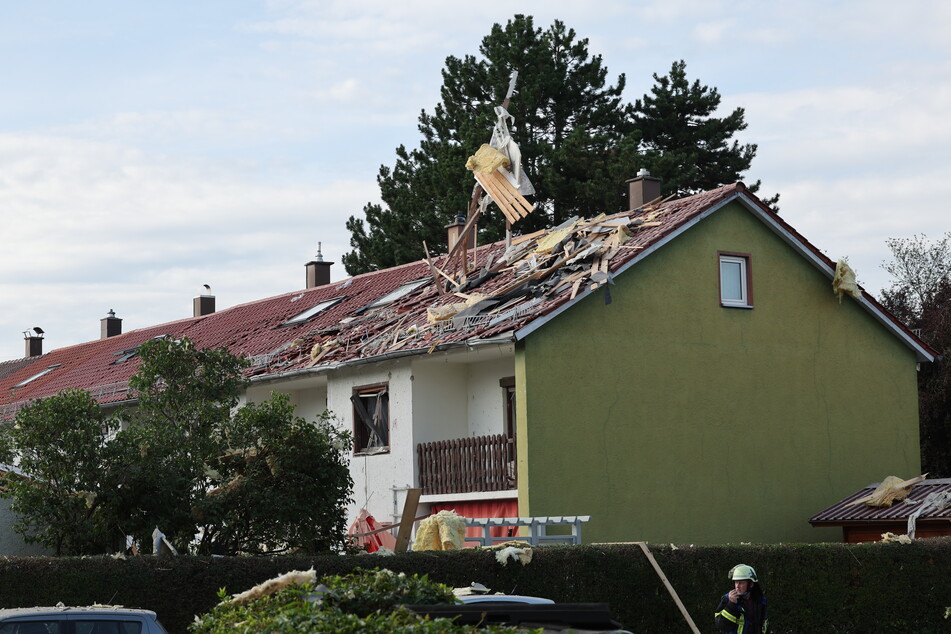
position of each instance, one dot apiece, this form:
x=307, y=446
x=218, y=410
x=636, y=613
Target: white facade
x=453, y=394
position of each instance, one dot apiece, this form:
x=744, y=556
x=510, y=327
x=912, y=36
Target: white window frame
x=317, y=308
x=37, y=375
x=746, y=290
x=400, y=291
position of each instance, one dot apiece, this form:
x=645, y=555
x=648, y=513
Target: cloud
x=714, y=32
x=95, y=225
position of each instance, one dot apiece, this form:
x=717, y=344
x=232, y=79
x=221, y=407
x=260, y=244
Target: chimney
x=318, y=271
x=110, y=325
x=454, y=230
x=33, y=339
x=204, y=304
x=643, y=189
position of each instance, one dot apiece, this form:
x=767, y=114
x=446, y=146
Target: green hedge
x=811, y=587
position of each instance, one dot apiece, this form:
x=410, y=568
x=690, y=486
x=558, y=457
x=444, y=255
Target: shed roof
x=842, y=513
x=511, y=292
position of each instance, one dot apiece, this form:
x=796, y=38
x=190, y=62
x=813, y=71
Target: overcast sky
x=149, y=148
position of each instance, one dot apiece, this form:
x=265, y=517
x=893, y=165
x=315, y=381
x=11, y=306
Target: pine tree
x=570, y=123
x=685, y=146
x=579, y=143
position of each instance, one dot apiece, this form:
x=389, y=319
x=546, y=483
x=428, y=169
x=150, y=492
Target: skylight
x=37, y=375
x=313, y=310
x=400, y=291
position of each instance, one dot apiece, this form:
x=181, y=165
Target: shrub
x=364, y=601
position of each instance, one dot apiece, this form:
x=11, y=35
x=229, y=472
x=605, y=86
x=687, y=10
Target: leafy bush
x=364, y=601
x=363, y=593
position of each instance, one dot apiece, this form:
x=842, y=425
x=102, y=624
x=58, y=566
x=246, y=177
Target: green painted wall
x=671, y=419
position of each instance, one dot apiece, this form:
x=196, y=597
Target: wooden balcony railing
x=467, y=465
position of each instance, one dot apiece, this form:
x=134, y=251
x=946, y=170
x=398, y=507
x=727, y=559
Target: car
x=96, y=619
x=479, y=607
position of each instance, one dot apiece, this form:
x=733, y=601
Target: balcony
x=467, y=465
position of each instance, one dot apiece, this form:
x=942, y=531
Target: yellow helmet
x=742, y=571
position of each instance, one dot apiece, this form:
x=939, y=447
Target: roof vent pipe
x=642, y=189
x=110, y=325
x=318, y=271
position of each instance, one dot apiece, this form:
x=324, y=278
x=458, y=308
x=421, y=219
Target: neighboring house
x=682, y=373
x=864, y=523
x=11, y=542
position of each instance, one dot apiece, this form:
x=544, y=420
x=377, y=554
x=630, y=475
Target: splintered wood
x=513, y=205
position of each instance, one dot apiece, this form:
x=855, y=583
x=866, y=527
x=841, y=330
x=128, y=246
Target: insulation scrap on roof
x=892, y=489
x=507, y=285
x=843, y=282
x=934, y=502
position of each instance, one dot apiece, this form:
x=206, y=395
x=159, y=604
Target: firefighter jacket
x=745, y=617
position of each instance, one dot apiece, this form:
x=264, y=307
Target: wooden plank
x=407, y=519
x=434, y=270
x=670, y=588
x=522, y=205
x=500, y=201
x=503, y=189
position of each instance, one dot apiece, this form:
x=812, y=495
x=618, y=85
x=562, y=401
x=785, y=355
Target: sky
x=147, y=149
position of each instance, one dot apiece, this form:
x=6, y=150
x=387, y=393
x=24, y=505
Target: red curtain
x=483, y=508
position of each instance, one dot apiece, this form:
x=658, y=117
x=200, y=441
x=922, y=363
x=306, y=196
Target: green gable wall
x=669, y=418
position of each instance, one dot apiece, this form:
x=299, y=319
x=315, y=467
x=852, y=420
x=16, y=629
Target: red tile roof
x=346, y=333
x=841, y=513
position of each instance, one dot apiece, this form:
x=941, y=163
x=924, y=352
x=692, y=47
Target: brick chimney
x=110, y=325
x=204, y=304
x=642, y=189
x=318, y=271
x=454, y=230
x=33, y=338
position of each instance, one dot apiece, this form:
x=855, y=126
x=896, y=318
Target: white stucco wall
x=376, y=476
x=431, y=397
x=440, y=398
x=486, y=400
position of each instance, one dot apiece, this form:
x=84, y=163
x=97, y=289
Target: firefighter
x=743, y=609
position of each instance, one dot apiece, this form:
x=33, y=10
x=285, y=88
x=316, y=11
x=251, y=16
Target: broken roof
x=845, y=512
x=412, y=308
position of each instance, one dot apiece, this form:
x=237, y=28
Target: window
x=371, y=419
x=108, y=627
x=736, y=288
x=392, y=296
x=32, y=627
x=313, y=310
x=508, y=386
x=37, y=375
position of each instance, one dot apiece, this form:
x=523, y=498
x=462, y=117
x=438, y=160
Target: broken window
x=735, y=285
x=371, y=419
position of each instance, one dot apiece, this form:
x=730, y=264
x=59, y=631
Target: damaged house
x=681, y=372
